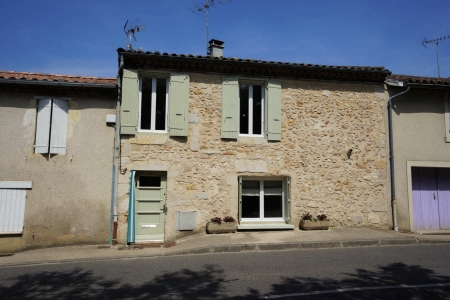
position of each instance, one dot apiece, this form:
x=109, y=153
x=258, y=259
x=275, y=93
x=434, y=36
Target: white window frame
x=447, y=117
x=261, y=199
x=153, y=106
x=250, y=111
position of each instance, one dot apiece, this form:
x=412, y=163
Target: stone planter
x=225, y=227
x=314, y=225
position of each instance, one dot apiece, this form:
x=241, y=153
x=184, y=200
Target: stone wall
x=321, y=122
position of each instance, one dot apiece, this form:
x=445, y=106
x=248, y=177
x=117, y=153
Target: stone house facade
x=263, y=142
x=56, y=156
x=421, y=151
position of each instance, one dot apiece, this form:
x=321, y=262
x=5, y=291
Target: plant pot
x=225, y=227
x=314, y=225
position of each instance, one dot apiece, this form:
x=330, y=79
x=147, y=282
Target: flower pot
x=224, y=227
x=314, y=225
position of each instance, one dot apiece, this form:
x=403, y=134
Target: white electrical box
x=111, y=119
x=186, y=220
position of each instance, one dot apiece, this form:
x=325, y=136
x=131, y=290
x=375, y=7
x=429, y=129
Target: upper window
x=153, y=104
x=51, y=126
x=251, y=109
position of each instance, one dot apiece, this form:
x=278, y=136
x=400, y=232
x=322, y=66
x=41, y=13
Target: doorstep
x=265, y=226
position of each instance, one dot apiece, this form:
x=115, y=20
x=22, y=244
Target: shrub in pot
x=321, y=222
x=217, y=225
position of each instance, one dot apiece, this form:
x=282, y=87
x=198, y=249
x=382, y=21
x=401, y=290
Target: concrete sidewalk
x=230, y=242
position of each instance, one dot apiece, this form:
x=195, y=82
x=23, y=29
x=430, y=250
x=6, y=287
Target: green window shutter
x=273, y=111
x=130, y=100
x=178, y=105
x=230, y=108
x=287, y=201
x=240, y=197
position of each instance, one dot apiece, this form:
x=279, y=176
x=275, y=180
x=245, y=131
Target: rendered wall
x=69, y=202
x=419, y=135
x=321, y=121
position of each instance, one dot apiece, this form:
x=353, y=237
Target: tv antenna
x=130, y=30
x=205, y=9
x=436, y=41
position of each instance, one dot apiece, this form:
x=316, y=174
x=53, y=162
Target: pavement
x=227, y=242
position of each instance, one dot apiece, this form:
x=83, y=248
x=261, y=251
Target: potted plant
x=217, y=225
x=309, y=223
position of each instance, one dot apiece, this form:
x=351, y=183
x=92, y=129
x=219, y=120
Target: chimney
x=215, y=48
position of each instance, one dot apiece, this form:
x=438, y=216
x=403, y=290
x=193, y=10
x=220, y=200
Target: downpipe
x=113, y=215
x=391, y=159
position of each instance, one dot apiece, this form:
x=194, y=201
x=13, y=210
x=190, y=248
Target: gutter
x=391, y=151
x=115, y=176
x=71, y=84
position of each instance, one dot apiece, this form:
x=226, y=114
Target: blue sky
x=81, y=37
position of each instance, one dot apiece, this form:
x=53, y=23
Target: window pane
x=146, y=103
x=149, y=181
x=250, y=206
x=250, y=188
x=257, y=109
x=243, y=108
x=160, y=104
x=273, y=206
x=273, y=187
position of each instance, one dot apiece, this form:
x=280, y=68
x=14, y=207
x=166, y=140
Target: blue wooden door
x=431, y=198
x=425, y=205
x=443, y=176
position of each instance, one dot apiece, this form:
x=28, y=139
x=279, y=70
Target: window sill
x=151, y=138
x=257, y=140
x=11, y=233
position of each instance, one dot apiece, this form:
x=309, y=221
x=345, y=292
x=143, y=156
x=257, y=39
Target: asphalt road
x=401, y=272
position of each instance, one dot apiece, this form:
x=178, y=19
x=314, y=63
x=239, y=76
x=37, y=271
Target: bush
x=229, y=219
x=307, y=217
x=216, y=220
x=322, y=217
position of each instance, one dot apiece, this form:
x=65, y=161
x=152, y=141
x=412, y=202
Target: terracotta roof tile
x=54, y=77
x=419, y=79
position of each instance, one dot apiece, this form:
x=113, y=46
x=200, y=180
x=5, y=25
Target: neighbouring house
x=421, y=151
x=262, y=141
x=56, y=158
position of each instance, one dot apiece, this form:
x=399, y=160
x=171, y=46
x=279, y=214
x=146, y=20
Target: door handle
x=434, y=196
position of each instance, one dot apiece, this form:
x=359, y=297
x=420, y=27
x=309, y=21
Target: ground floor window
x=264, y=199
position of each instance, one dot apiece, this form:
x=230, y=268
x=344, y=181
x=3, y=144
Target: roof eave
x=267, y=64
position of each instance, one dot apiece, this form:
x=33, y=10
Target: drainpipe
x=113, y=215
x=391, y=158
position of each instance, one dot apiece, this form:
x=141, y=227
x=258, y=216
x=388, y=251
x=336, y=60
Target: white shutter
x=43, y=126
x=59, y=127
x=12, y=210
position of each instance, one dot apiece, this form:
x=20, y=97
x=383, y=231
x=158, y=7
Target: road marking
x=402, y=286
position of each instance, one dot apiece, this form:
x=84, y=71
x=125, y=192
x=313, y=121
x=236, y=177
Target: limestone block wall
x=321, y=122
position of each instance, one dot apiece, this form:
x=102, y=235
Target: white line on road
x=403, y=286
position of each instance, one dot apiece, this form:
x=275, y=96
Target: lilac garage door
x=431, y=198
